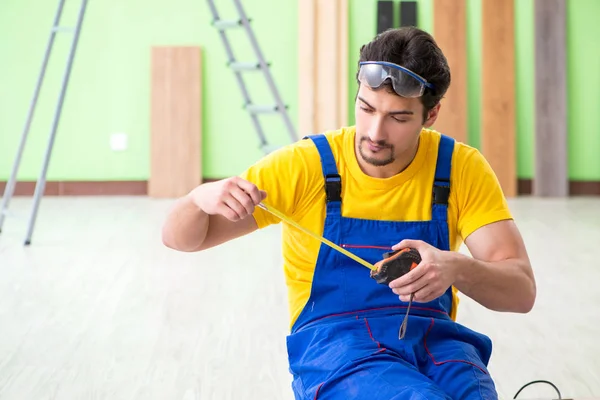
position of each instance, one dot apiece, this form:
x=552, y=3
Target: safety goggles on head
x=405, y=82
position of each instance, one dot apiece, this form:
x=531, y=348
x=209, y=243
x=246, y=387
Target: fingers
x=426, y=294
x=424, y=281
x=234, y=198
x=423, y=289
x=235, y=211
x=418, y=281
x=404, y=244
x=228, y=212
x=238, y=198
x=252, y=190
x=423, y=295
x=415, y=244
x=404, y=297
x=410, y=279
x=244, y=202
x=411, y=288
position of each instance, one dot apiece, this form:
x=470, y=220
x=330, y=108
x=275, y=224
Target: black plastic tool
x=395, y=264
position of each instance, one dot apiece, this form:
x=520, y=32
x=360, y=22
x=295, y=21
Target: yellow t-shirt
x=293, y=179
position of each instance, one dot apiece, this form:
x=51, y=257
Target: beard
x=382, y=158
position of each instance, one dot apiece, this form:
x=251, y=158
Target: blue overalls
x=345, y=345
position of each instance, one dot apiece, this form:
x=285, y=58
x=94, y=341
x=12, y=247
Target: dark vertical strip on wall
x=498, y=125
x=551, y=167
x=408, y=13
x=385, y=15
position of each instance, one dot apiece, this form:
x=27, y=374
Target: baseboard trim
x=576, y=188
x=82, y=188
x=140, y=188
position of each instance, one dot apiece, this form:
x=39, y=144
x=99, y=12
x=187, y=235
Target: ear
x=432, y=115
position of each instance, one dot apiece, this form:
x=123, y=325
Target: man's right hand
x=234, y=198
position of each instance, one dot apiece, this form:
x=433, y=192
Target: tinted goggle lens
x=405, y=82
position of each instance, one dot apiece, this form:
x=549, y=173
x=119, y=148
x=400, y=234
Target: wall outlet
x=118, y=142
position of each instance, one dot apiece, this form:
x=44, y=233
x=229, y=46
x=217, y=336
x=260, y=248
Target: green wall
x=109, y=88
x=110, y=83
x=584, y=89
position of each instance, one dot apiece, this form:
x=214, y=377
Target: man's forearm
x=186, y=226
x=501, y=286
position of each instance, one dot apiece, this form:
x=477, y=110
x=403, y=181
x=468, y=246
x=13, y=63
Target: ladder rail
x=9, y=190
x=265, y=68
x=238, y=75
x=239, y=67
x=41, y=183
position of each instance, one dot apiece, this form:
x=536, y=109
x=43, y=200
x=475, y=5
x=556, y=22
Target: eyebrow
x=399, y=112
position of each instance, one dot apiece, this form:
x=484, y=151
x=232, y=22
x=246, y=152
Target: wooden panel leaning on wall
x=323, y=65
x=176, y=140
x=498, y=92
x=450, y=33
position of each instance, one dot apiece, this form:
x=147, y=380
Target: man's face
x=387, y=126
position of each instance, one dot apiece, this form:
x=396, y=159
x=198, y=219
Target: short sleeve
x=480, y=198
x=283, y=175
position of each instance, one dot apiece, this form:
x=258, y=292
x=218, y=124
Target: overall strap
x=333, y=181
x=441, y=185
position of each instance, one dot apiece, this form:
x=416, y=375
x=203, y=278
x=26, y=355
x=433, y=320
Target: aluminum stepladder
x=41, y=182
x=238, y=67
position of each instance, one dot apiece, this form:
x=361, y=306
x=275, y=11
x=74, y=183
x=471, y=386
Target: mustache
x=380, y=143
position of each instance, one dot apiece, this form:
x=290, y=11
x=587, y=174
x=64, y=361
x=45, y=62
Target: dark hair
x=416, y=50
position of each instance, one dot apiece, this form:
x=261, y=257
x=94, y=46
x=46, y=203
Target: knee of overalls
x=456, y=360
x=364, y=359
x=380, y=376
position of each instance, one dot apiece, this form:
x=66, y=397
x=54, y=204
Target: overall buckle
x=441, y=193
x=333, y=187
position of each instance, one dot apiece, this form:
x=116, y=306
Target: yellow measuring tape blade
x=314, y=235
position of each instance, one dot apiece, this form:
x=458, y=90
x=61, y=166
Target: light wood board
x=498, y=128
x=176, y=138
x=323, y=65
x=450, y=33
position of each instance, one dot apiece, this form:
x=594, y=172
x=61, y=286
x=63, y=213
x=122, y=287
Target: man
x=388, y=183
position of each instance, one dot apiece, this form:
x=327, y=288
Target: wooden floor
x=97, y=308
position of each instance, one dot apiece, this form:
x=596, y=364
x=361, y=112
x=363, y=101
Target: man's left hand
x=431, y=278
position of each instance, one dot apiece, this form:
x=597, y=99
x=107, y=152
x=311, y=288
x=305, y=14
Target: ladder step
x=63, y=29
x=278, y=106
x=256, y=109
x=244, y=66
x=227, y=24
